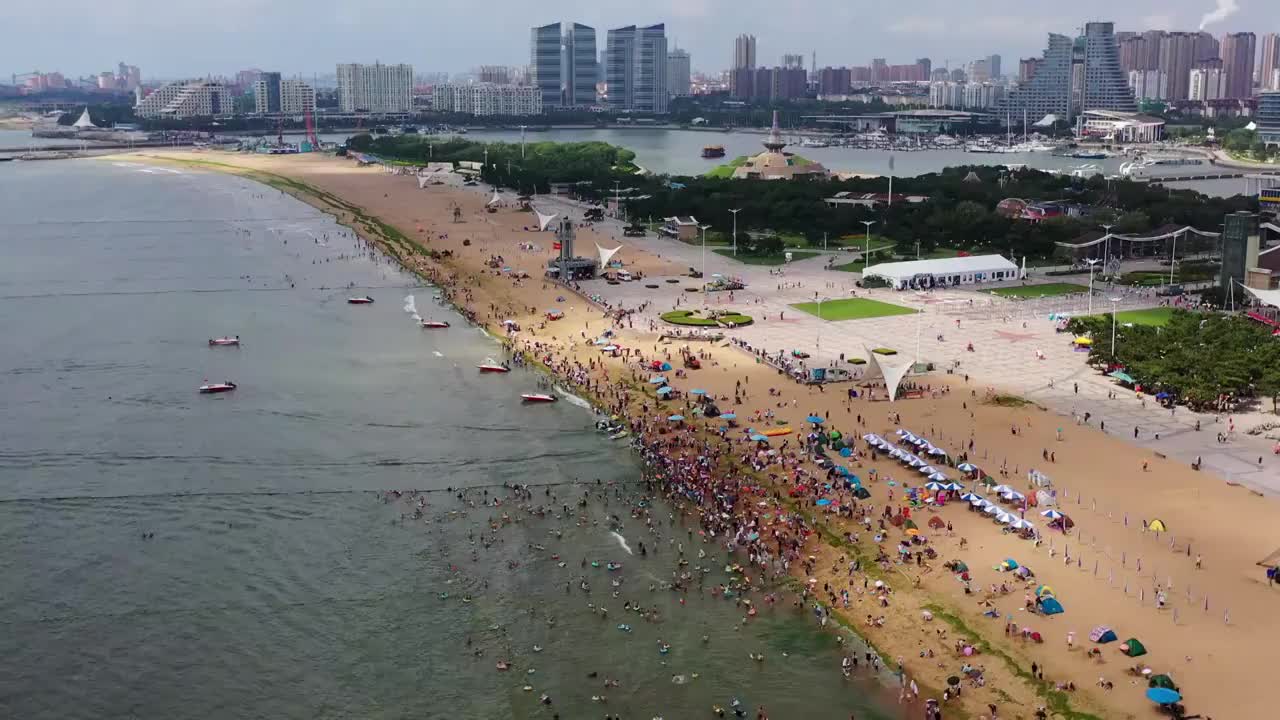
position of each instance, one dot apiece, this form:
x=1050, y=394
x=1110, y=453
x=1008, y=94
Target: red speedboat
x=366, y=300
x=209, y=388
x=538, y=398
x=493, y=366
x=434, y=324
x=225, y=342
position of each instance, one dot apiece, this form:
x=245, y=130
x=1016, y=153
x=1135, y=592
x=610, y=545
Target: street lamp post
x=1107, y=259
x=1092, y=265
x=704, y=263
x=735, y=212
x=1173, y=257
x=1114, y=302
x=866, y=256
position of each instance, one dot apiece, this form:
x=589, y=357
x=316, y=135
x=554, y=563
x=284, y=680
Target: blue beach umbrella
x=1163, y=696
x=815, y=419
x=937, y=451
x=1052, y=514
x=972, y=497
x=697, y=391
x=842, y=470
x=926, y=470
x=759, y=438
x=954, y=486
x=728, y=416
x=823, y=502
x=966, y=467
x=933, y=486
x=676, y=418
x=845, y=452
x=870, y=436
x=665, y=390
x=939, y=477
x=657, y=380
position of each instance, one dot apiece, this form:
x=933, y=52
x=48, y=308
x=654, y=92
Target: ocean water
x=172, y=555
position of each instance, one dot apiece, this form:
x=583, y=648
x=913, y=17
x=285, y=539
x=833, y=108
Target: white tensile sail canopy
x=544, y=221
x=494, y=200
x=84, y=122
x=892, y=371
x=606, y=255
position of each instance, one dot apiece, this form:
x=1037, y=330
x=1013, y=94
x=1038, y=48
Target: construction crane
x=311, y=131
x=280, y=132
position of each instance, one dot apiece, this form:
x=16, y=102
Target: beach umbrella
x=816, y=420
x=1014, y=495
x=954, y=486
x=846, y=452
x=665, y=366
x=1052, y=514
x=953, y=681
x=676, y=418
x=901, y=432
x=1163, y=696
x=697, y=391
x=1001, y=489
x=913, y=461
x=609, y=348
x=657, y=380
x=665, y=390
x=971, y=497
x=926, y=470
x=993, y=509
x=941, y=478
x=937, y=451
x=870, y=436
x=1020, y=524
x=1004, y=518
x=966, y=467
x=759, y=438
x=934, y=486
x=728, y=416
x=823, y=502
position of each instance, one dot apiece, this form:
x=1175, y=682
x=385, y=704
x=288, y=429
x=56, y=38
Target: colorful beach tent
x=1102, y=635
x=937, y=523
x=861, y=493
x=1044, y=590
x=1134, y=648
x=1162, y=681
x=1050, y=606
x=1157, y=526
x=665, y=390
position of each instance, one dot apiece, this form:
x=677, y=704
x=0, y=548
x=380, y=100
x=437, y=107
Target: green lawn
x=725, y=170
x=779, y=259
x=1156, y=278
x=853, y=309
x=1045, y=290
x=1155, y=317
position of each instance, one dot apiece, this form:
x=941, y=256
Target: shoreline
x=453, y=275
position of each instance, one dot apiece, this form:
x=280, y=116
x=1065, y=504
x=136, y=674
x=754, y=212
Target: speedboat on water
x=434, y=324
x=209, y=388
x=366, y=300
x=493, y=366
x=537, y=397
x=225, y=342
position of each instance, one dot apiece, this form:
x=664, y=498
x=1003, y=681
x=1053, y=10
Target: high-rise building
x=185, y=99
x=834, y=81
x=678, y=73
x=495, y=74
x=106, y=80
x=1027, y=68
x=1238, y=51
x=1181, y=51
x=879, y=70
x=296, y=97
x=487, y=99
x=926, y=67
x=1269, y=117
x=1270, y=61
x=1207, y=83
x=1048, y=90
x=266, y=93
x=546, y=63
x=375, y=88
x=1149, y=84
x=128, y=77
x=580, y=66
x=993, y=66
x=793, y=60
x=637, y=75
x=744, y=52
x=1105, y=85
x=985, y=69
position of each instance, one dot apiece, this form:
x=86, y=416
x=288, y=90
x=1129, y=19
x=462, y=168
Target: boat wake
x=411, y=307
x=437, y=353
x=573, y=399
x=621, y=541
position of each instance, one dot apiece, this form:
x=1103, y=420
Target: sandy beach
x=1212, y=635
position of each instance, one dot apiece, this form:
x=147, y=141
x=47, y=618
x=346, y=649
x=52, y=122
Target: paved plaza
x=1016, y=346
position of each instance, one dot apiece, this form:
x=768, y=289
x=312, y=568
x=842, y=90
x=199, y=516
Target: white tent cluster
x=544, y=221
x=892, y=372
x=606, y=255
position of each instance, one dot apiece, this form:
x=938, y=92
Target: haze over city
x=185, y=38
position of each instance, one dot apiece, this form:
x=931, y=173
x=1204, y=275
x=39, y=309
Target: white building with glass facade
x=186, y=99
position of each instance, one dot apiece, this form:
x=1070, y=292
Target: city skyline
x=81, y=39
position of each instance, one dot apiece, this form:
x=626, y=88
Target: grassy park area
x=1035, y=291
x=773, y=259
x=1153, y=317
x=852, y=309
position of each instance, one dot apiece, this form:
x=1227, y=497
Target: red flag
x=555, y=246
